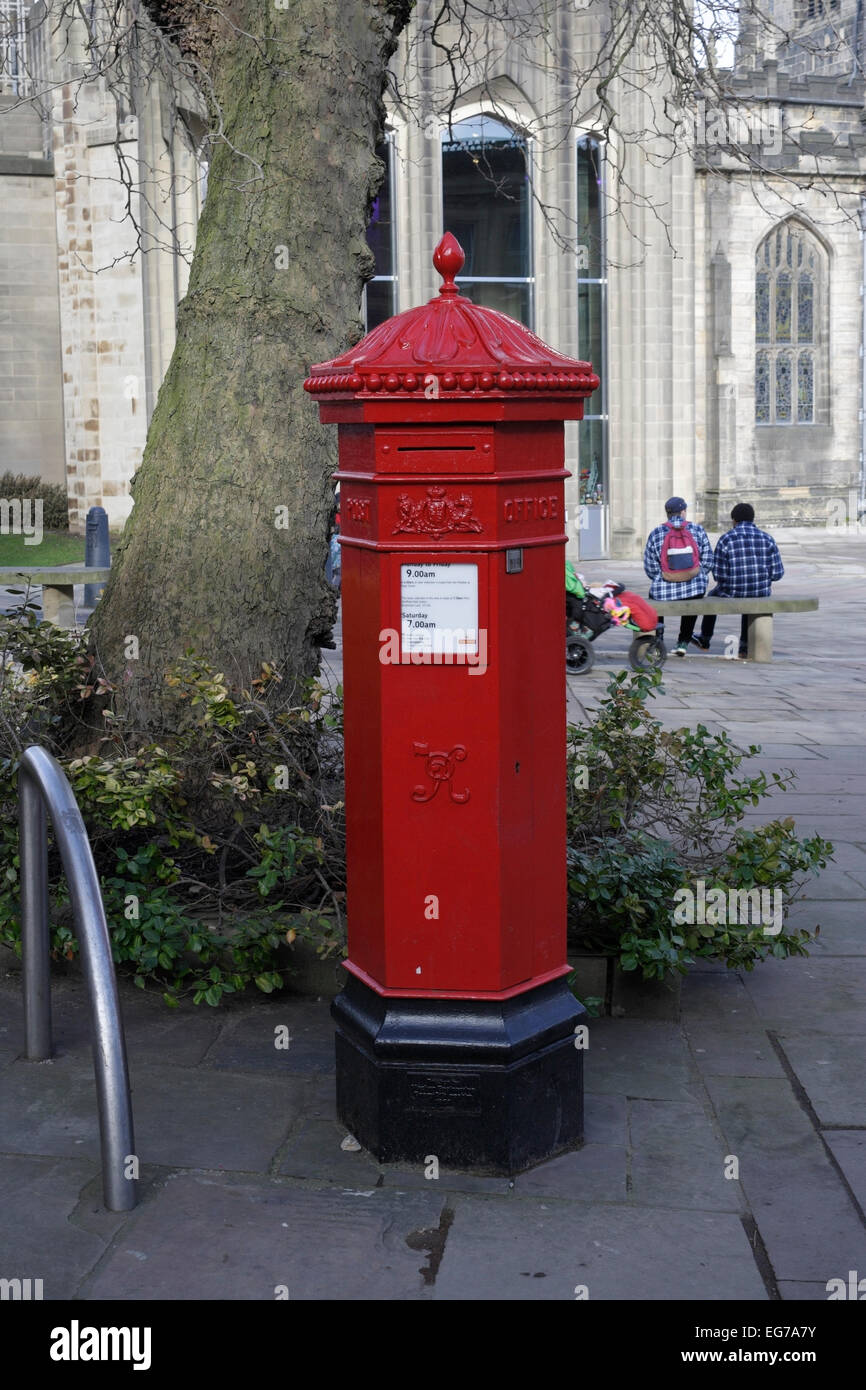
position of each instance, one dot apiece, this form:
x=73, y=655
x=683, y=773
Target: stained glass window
x=762, y=307
x=805, y=303
x=805, y=389
x=783, y=388
x=787, y=305
x=762, y=389
x=783, y=307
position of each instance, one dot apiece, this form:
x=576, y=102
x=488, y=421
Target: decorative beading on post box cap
x=453, y=348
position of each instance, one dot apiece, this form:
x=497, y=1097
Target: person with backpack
x=678, y=559
x=334, y=562
x=746, y=565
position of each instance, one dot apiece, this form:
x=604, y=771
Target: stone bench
x=58, y=586
x=759, y=613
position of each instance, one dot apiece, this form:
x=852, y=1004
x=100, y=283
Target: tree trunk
x=224, y=552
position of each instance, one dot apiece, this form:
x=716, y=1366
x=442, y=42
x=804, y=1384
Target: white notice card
x=439, y=608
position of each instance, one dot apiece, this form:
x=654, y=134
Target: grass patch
x=55, y=548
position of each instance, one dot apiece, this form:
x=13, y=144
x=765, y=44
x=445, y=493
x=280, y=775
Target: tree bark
x=225, y=549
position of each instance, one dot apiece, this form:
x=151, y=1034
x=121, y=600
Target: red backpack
x=680, y=557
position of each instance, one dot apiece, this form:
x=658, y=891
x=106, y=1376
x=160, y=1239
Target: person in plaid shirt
x=746, y=564
x=675, y=507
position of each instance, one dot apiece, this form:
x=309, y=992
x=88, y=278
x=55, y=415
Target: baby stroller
x=589, y=612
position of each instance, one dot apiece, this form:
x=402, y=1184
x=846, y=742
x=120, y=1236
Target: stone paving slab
x=152, y=1031
x=722, y=1002
x=11, y=1029
x=595, y=1173
x=632, y=1058
x=39, y=1198
x=850, y=758
x=254, y=1041
x=733, y=1052
x=782, y=755
x=819, y=806
x=849, y=1150
x=827, y=735
x=206, y=1119
x=758, y=714
x=313, y=1151
x=184, y=1118
x=806, y=1219
x=812, y=778
x=678, y=1159
x=836, y=829
x=798, y=1291
x=835, y=884
x=212, y=1238
x=832, y=1073
x=531, y=1251
x=824, y=992
x=843, y=927
x=410, y=1177
x=49, y=1108
x=605, y=1119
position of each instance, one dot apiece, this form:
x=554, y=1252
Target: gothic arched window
x=790, y=287
x=592, y=432
x=486, y=204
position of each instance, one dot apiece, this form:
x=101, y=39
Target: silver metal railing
x=42, y=783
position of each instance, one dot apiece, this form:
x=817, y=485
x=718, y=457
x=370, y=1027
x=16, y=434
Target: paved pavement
x=246, y=1189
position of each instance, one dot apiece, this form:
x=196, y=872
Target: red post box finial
x=449, y=258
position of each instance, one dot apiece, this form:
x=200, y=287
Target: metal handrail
x=42, y=783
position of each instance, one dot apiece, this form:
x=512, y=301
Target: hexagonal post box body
x=455, y=1032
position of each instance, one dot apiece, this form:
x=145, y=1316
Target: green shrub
x=653, y=812
x=217, y=839
x=55, y=503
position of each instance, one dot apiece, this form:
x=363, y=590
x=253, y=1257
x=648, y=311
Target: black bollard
x=96, y=551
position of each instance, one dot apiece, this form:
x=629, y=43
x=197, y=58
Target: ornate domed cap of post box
x=454, y=349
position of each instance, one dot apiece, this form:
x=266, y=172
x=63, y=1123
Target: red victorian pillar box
x=455, y=1031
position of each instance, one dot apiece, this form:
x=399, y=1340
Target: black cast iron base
x=487, y=1084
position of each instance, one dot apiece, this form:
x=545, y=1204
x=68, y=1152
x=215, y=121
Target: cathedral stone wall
x=649, y=209
x=31, y=406
x=86, y=333
x=794, y=473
